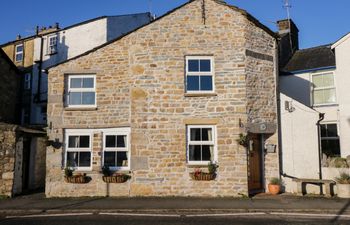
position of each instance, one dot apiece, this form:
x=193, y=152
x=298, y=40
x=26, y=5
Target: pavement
x=285, y=203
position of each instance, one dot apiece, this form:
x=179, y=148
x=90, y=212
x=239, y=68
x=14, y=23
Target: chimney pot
x=18, y=37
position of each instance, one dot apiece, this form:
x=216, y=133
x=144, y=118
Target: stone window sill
x=200, y=94
x=81, y=109
x=196, y=166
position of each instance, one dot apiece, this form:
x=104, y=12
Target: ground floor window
x=78, y=149
x=116, y=149
x=330, y=140
x=201, y=144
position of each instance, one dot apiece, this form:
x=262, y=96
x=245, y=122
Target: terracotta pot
x=274, y=189
x=202, y=176
x=343, y=190
x=115, y=179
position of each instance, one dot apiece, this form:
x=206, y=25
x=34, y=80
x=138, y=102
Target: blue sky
x=319, y=21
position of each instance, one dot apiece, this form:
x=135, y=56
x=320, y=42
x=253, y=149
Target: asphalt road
x=147, y=220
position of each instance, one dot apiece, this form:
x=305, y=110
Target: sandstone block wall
x=140, y=84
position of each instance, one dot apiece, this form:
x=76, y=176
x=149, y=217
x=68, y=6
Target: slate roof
x=309, y=59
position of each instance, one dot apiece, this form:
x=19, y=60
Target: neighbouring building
x=165, y=100
x=22, y=150
x=314, y=110
x=52, y=45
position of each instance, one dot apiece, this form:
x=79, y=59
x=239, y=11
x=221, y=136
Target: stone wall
x=8, y=141
x=140, y=84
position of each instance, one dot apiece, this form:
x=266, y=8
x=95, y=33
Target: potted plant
x=110, y=177
x=198, y=174
x=75, y=179
x=275, y=186
x=343, y=185
x=242, y=140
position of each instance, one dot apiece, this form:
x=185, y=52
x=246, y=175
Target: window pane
x=88, y=82
x=75, y=82
x=84, y=159
x=193, y=65
x=328, y=80
x=205, y=65
x=72, y=159
x=318, y=81
x=318, y=97
x=207, y=151
x=193, y=83
x=19, y=57
x=329, y=130
x=110, y=141
x=323, y=130
x=109, y=159
x=73, y=141
x=195, y=153
x=207, y=134
x=75, y=98
x=195, y=134
x=84, y=142
x=331, y=147
x=88, y=98
x=121, y=141
x=19, y=48
x=329, y=95
x=122, y=159
x=206, y=83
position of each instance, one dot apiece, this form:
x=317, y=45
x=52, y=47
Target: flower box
x=116, y=179
x=77, y=179
x=202, y=176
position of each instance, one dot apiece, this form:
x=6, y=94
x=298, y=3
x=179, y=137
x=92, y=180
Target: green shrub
x=275, y=181
x=106, y=171
x=212, y=167
x=68, y=172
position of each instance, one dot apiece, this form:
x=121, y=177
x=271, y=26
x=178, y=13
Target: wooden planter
x=115, y=179
x=77, y=179
x=203, y=176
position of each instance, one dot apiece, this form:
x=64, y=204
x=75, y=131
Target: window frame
x=330, y=138
x=211, y=73
x=49, y=52
x=19, y=52
x=116, y=132
x=80, y=90
x=78, y=132
x=322, y=88
x=27, y=84
x=189, y=142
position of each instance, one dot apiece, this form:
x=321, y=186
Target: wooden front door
x=255, y=183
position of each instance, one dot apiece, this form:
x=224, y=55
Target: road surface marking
x=50, y=215
x=309, y=214
x=226, y=214
x=140, y=214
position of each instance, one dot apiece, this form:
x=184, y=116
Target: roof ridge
x=315, y=47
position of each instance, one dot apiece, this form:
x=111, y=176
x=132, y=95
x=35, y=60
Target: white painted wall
x=342, y=53
x=299, y=143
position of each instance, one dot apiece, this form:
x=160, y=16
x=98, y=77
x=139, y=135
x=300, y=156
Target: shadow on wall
x=297, y=88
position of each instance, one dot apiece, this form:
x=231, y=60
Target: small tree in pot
x=343, y=185
x=275, y=186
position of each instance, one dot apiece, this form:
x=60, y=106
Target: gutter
x=37, y=97
x=321, y=118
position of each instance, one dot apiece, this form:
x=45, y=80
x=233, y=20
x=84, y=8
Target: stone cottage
x=165, y=100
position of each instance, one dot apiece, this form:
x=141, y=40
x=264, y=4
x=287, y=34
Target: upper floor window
x=78, y=149
x=199, y=74
x=116, y=149
x=52, y=45
x=201, y=144
x=27, y=81
x=330, y=140
x=323, y=89
x=81, y=91
x=19, y=53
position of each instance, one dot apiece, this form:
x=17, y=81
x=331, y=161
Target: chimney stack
x=18, y=37
x=289, y=40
